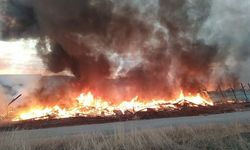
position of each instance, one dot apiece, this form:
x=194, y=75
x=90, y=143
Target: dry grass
x=236, y=136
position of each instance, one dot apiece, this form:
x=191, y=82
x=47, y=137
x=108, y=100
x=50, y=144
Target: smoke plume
x=149, y=48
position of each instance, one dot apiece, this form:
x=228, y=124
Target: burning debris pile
x=91, y=110
x=86, y=105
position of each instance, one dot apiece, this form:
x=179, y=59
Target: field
x=233, y=136
x=221, y=131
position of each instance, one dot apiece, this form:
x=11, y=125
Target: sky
x=19, y=57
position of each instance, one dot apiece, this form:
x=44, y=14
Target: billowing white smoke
x=228, y=27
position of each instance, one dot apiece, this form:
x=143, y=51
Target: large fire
x=86, y=104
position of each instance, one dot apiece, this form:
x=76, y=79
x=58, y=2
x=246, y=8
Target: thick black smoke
x=159, y=44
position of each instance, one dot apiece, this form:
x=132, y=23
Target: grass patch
x=211, y=137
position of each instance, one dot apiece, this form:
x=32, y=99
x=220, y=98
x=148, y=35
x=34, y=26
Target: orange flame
x=88, y=105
